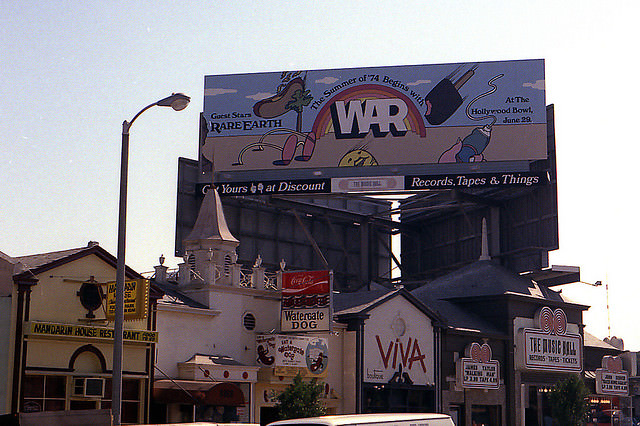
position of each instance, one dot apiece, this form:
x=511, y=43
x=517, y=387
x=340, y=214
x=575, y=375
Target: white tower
x=210, y=249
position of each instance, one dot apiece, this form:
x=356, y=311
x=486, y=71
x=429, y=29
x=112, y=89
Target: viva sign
x=398, y=344
x=398, y=361
x=402, y=355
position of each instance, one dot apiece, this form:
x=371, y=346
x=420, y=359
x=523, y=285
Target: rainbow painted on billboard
x=328, y=120
x=324, y=123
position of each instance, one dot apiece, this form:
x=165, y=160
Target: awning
x=197, y=392
x=226, y=394
x=191, y=385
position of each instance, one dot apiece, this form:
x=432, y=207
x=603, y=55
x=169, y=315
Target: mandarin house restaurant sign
x=290, y=355
x=37, y=328
x=611, y=379
x=550, y=347
x=306, y=301
x=477, y=369
x=308, y=131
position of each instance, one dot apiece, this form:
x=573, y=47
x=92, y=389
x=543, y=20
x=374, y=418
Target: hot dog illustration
x=277, y=105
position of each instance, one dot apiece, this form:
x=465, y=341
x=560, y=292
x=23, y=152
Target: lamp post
x=178, y=102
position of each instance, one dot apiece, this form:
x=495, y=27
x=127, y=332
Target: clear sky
x=72, y=71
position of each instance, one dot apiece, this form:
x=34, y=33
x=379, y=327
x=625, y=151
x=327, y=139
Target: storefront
x=532, y=334
x=316, y=356
x=396, y=351
x=63, y=334
x=221, y=330
x=478, y=392
x=549, y=347
x=610, y=402
x=208, y=388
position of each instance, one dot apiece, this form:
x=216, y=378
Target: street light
x=178, y=102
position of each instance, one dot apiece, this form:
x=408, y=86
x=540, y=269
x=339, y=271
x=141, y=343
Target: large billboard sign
x=334, y=130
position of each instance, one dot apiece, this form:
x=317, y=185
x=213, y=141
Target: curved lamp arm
x=177, y=101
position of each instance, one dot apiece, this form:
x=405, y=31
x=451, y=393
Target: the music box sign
x=611, y=379
x=306, y=301
x=550, y=347
x=477, y=369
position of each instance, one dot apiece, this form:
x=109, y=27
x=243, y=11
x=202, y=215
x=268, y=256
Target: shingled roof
x=31, y=265
x=484, y=278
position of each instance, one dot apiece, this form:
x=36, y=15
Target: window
x=397, y=398
x=484, y=415
x=130, y=412
x=88, y=386
x=44, y=393
x=130, y=400
x=191, y=261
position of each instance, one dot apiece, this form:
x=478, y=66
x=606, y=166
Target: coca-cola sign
x=306, y=301
x=305, y=282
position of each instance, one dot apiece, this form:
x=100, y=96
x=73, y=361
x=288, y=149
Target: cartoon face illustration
x=316, y=355
x=357, y=157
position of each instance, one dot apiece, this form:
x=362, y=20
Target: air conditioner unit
x=92, y=387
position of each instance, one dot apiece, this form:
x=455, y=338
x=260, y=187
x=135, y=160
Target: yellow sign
x=293, y=371
x=89, y=332
x=136, y=299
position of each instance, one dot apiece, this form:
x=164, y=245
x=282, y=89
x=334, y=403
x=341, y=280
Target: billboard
x=322, y=131
x=611, y=379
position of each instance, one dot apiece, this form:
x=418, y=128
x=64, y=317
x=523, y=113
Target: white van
x=387, y=419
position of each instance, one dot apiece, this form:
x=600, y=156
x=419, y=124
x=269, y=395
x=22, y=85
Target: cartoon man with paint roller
x=471, y=148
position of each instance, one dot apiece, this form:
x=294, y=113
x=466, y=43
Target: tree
x=569, y=403
x=300, y=399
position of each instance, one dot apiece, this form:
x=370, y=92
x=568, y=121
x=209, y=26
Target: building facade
x=220, y=335
x=530, y=334
x=397, y=350
x=58, y=329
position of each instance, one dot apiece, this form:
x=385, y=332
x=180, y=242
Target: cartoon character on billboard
x=358, y=156
x=291, y=95
x=471, y=148
x=444, y=99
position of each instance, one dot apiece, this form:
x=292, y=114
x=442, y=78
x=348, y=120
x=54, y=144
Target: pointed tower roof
x=484, y=254
x=211, y=224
